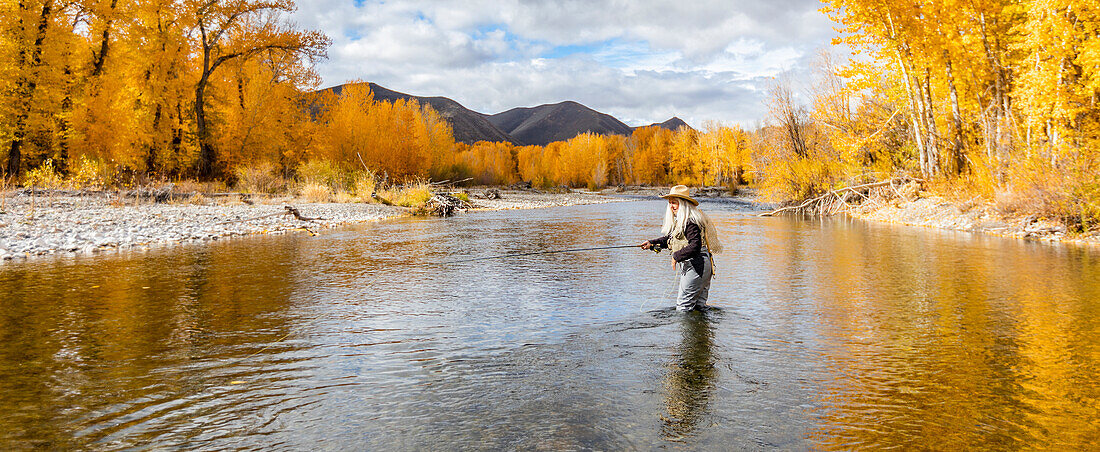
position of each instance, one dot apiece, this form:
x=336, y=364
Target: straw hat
x=682, y=192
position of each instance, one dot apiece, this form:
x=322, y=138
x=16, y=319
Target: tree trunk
x=933, y=132
x=104, y=43
x=1000, y=103
x=991, y=129
x=26, y=86
x=956, y=162
x=64, y=126
x=240, y=92
x=915, y=108
x=205, y=168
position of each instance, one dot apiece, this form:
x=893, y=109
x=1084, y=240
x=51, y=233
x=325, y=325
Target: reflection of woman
x=691, y=237
x=691, y=378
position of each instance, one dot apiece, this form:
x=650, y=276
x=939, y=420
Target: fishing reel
x=656, y=248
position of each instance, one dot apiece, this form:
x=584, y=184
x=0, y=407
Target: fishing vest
x=678, y=241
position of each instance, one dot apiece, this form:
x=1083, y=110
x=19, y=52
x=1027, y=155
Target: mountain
x=469, y=126
x=520, y=126
x=555, y=122
x=672, y=124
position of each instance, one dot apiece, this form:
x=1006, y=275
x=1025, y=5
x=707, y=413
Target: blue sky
x=641, y=61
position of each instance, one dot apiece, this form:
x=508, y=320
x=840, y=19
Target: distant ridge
x=672, y=124
x=469, y=126
x=539, y=125
x=545, y=124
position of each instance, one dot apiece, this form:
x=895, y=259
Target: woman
x=692, y=238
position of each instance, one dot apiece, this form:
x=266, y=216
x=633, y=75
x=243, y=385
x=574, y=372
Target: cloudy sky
x=642, y=61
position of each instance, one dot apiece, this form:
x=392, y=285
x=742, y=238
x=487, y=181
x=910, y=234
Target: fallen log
x=449, y=183
x=291, y=210
x=836, y=201
x=287, y=210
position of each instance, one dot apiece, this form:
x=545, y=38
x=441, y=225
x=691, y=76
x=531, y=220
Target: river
x=824, y=334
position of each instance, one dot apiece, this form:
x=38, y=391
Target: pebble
x=87, y=225
x=936, y=213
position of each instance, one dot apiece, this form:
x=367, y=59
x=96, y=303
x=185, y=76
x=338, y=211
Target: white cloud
x=642, y=61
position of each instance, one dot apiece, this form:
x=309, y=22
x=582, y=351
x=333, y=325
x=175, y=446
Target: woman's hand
x=646, y=245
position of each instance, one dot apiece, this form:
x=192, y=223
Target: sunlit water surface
x=826, y=334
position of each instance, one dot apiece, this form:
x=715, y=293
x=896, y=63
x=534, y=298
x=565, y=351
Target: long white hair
x=675, y=223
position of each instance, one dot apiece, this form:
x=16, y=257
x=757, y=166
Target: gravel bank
x=939, y=213
x=513, y=199
x=67, y=225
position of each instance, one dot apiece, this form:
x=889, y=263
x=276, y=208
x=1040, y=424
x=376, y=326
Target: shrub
x=415, y=195
x=87, y=173
x=260, y=178
x=194, y=186
x=344, y=197
x=327, y=173
x=43, y=177
x=365, y=185
x=314, y=192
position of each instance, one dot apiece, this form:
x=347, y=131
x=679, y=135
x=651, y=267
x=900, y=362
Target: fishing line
x=641, y=304
x=671, y=295
x=503, y=256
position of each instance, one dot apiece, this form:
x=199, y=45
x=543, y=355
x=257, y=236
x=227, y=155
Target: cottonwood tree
x=241, y=29
x=27, y=28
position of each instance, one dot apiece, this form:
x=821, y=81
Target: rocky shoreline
x=939, y=213
x=89, y=223
x=38, y=225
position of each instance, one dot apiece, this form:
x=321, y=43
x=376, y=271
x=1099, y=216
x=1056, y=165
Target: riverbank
x=970, y=216
x=89, y=223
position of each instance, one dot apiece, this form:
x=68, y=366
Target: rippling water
x=826, y=334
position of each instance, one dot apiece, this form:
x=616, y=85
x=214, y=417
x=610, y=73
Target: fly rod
x=541, y=252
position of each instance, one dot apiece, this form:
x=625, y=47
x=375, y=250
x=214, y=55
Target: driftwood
x=842, y=200
x=445, y=205
x=291, y=210
x=449, y=182
x=287, y=210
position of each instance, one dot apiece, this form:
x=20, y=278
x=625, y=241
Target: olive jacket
x=693, y=252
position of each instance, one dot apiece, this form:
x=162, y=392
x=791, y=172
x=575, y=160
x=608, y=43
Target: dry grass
x=327, y=173
x=261, y=178
x=43, y=177
x=91, y=174
x=344, y=185
x=365, y=184
x=314, y=192
x=344, y=197
x=5, y=185
x=1073, y=200
x=192, y=186
x=414, y=195
x=199, y=200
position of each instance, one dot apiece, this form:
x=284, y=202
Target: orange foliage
x=129, y=91
x=489, y=163
x=399, y=138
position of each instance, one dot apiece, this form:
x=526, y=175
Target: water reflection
x=831, y=335
x=692, y=375
x=95, y=347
